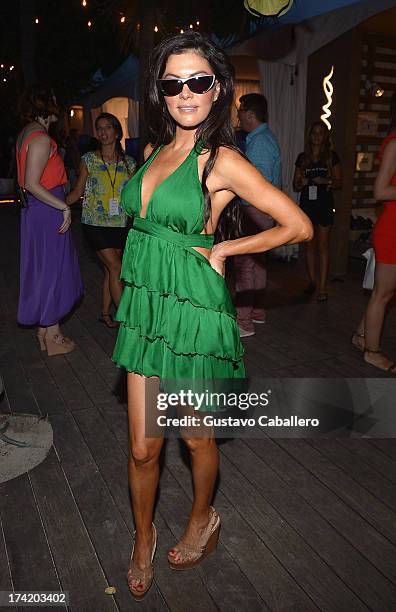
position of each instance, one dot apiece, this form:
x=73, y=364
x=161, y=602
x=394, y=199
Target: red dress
x=384, y=234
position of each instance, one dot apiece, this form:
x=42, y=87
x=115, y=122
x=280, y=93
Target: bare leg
x=358, y=338
x=310, y=256
x=143, y=470
x=106, y=296
x=111, y=258
x=205, y=464
x=384, y=288
x=323, y=234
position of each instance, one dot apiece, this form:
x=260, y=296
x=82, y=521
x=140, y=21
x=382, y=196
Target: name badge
x=313, y=192
x=113, y=207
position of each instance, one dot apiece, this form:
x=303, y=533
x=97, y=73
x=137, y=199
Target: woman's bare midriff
x=205, y=252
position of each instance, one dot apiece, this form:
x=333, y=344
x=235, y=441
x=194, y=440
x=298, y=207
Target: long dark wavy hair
x=116, y=125
x=325, y=154
x=214, y=132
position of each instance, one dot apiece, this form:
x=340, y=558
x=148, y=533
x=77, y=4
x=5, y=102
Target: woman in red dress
x=367, y=336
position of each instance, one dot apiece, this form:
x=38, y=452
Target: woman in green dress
x=176, y=317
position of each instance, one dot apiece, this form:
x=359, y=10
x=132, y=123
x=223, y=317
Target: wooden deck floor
x=306, y=524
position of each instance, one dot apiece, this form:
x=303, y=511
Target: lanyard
x=112, y=182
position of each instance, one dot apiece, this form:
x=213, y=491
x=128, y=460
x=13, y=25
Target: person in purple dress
x=50, y=279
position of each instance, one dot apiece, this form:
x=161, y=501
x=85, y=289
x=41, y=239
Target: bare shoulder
x=41, y=140
x=148, y=149
x=230, y=163
x=229, y=156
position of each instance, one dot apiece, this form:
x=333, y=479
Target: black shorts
x=320, y=213
x=100, y=238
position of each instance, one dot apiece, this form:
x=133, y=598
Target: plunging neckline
x=150, y=160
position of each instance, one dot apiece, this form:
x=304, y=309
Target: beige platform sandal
x=145, y=576
x=58, y=345
x=192, y=555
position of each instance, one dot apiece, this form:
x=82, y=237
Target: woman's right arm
x=383, y=188
x=79, y=187
x=38, y=153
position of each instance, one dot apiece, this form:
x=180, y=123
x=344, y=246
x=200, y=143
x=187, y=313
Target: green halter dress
x=177, y=319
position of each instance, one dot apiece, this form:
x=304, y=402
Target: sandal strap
x=199, y=548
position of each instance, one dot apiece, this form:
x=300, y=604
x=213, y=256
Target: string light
x=36, y=20
x=72, y=113
x=182, y=31
x=89, y=24
x=12, y=68
x=156, y=29
x=122, y=19
x=197, y=22
x=191, y=26
x=84, y=3
x=5, y=80
x=2, y=66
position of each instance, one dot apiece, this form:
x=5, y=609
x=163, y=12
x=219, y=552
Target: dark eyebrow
x=175, y=76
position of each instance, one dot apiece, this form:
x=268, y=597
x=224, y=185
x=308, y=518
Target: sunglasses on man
x=196, y=84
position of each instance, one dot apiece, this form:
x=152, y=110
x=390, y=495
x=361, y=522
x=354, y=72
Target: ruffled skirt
x=177, y=320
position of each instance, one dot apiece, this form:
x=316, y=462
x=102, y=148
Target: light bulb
x=122, y=19
x=156, y=29
x=379, y=92
x=36, y=20
x=84, y=3
x=89, y=24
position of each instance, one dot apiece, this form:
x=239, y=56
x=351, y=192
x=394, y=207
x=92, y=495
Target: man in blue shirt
x=263, y=152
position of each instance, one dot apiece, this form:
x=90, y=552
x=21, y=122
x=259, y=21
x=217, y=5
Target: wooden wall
x=344, y=53
x=378, y=66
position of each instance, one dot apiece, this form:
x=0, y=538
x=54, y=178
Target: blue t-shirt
x=263, y=151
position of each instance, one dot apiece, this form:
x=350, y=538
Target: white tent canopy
x=118, y=94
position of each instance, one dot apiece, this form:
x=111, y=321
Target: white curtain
x=285, y=89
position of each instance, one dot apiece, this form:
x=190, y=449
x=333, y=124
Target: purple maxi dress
x=50, y=279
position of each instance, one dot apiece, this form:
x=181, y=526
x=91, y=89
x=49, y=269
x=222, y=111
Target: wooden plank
x=361, y=473
x=228, y=587
x=5, y=569
x=324, y=587
x=386, y=445
x=72, y=549
x=180, y=592
x=19, y=394
x=347, y=520
x=261, y=567
x=73, y=394
x=29, y=553
x=315, y=514
x=107, y=530
x=371, y=456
